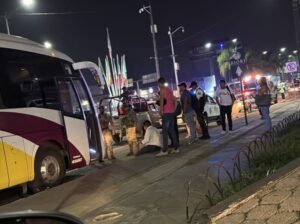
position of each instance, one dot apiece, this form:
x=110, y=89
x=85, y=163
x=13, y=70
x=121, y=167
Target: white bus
x=48, y=122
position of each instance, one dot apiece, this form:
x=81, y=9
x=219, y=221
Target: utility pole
x=6, y=24
x=296, y=14
x=153, y=30
x=171, y=33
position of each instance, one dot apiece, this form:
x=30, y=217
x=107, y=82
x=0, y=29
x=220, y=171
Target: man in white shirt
x=225, y=100
x=152, y=140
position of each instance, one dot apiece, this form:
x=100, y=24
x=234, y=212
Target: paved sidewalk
x=277, y=203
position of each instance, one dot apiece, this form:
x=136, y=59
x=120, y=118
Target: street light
x=28, y=3
x=265, y=52
x=148, y=9
x=234, y=40
x=47, y=45
x=208, y=45
x=295, y=52
x=282, y=50
x=25, y=3
x=171, y=33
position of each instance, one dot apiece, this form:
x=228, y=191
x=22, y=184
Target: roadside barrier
x=231, y=169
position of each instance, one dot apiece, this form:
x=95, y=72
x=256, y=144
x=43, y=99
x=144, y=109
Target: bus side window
x=69, y=101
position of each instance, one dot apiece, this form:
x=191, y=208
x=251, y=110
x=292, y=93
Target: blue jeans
x=168, y=126
x=190, y=121
x=265, y=110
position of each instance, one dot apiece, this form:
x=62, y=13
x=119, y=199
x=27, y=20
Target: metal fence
x=232, y=169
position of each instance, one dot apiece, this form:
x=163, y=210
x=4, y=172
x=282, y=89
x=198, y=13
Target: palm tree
x=224, y=62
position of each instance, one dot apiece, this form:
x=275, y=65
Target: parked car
x=212, y=111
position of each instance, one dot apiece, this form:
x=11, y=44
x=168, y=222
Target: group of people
x=191, y=106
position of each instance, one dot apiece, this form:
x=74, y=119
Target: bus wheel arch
x=49, y=167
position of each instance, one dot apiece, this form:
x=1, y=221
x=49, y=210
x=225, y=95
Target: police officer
x=130, y=123
x=199, y=97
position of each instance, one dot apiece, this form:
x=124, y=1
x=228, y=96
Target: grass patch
x=265, y=163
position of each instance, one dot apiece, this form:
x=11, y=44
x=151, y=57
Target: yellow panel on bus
x=3, y=169
x=16, y=160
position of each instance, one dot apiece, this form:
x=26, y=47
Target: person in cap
x=105, y=123
x=187, y=111
x=129, y=121
x=199, y=100
x=167, y=107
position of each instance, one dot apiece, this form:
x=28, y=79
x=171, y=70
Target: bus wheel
x=49, y=169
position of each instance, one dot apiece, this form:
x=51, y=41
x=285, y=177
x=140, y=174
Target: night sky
x=261, y=24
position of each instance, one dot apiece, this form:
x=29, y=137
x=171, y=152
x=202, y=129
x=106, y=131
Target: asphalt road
x=13, y=194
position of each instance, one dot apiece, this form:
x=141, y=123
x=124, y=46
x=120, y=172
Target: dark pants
x=202, y=123
x=226, y=111
x=168, y=126
x=148, y=149
x=176, y=132
x=283, y=96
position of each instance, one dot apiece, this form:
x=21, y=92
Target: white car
x=212, y=111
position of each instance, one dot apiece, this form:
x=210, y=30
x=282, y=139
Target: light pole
x=26, y=4
x=296, y=14
x=171, y=33
x=148, y=9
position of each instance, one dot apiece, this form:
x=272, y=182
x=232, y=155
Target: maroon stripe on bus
x=37, y=130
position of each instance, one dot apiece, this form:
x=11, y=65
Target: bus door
x=4, y=181
x=80, y=132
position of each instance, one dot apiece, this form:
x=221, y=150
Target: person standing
x=282, y=91
x=152, y=139
x=224, y=98
x=167, y=103
x=187, y=111
x=198, y=105
x=130, y=122
x=105, y=120
x=265, y=106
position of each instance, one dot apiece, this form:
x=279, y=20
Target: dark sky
x=261, y=24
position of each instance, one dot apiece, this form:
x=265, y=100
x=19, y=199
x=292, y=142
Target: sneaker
x=174, y=151
x=130, y=154
x=204, y=137
x=191, y=142
x=230, y=131
x=223, y=132
x=161, y=154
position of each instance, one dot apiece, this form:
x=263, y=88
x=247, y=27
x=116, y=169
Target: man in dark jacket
x=199, y=100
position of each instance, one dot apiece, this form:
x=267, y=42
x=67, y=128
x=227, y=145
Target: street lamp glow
x=28, y=3
x=208, y=45
x=265, y=52
x=234, y=40
x=283, y=49
x=166, y=84
x=247, y=78
x=47, y=45
x=295, y=52
x=290, y=56
x=150, y=90
x=258, y=77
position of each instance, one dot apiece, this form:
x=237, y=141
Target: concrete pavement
x=146, y=189
x=276, y=203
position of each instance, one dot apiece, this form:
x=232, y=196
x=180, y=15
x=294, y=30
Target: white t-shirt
x=152, y=137
x=224, y=96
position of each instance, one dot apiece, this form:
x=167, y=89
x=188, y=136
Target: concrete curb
x=226, y=206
